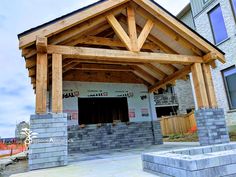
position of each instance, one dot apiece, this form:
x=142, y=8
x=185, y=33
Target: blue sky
x=17, y=98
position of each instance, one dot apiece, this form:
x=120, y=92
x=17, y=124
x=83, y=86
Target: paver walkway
x=117, y=163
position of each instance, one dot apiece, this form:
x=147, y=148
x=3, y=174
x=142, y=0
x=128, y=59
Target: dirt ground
x=18, y=167
x=190, y=137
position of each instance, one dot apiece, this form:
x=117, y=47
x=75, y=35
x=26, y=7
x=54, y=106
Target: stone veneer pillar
x=212, y=127
x=157, y=134
x=49, y=148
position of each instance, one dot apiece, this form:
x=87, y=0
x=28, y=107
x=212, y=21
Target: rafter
x=171, y=78
x=180, y=28
x=41, y=44
x=120, y=32
x=155, y=69
x=74, y=19
x=93, y=26
x=160, y=44
x=151, y=72
x=32, y=72
x=144, y=33
x=169, y=32
x=69, y=66
x=166, y=30
x=144, y=75
x=167, y=69
x=30, y=62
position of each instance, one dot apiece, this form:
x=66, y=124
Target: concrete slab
x=116, y=163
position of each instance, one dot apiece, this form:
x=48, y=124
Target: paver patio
x=118, y=163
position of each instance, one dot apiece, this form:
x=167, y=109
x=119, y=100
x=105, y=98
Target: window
x=234, y=6
x=230, y=85
x=218, y=24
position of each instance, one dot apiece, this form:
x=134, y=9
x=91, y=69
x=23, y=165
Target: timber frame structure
x=126, y=41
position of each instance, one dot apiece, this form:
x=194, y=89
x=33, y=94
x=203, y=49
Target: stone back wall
x=121, y=135
x=183, y=90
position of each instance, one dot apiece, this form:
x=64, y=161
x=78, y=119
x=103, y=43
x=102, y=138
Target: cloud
x=2, y=20
x=173, y=6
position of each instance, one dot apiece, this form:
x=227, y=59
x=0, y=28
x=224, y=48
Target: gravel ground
x=17, y=167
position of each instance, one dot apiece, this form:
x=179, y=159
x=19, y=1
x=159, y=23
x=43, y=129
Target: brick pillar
x=156, y=125
x=211, y=126
x=49, y=148
x=158, y=138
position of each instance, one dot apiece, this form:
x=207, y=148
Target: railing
x=166, y=99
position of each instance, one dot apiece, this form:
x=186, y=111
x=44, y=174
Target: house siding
x=187, y=18
x=198, y=5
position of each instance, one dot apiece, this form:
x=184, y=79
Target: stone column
x=210, y=120
x=156, y=126
x=49, y=147
x=211, y=126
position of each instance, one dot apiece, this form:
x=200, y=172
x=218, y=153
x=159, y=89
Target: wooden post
x=209, y=85
x=41, y=83
x=57, y=105
x=199, y=85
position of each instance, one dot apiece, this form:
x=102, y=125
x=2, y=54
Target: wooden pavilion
x=117, y=41
x=134, y=37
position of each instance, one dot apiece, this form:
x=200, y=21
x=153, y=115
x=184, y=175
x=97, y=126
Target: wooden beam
x=30, y=62
x=199, y=86
x=209, y=85
x=57, y=105
x=78, y=31
x=65, y=38
x=144, y=33
x=213, y=64
x=132, y=29
x=170, y=79
x=209, y=57
x=41, y=44
x=92, y=26
x=41, y=83
x=122, y=56
x=169, y=32
x=33, y=80
x=32, y=72
x=156, y=41
x=120, y=32
x=29, y=52
x=189, y=35
x=70, y=21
